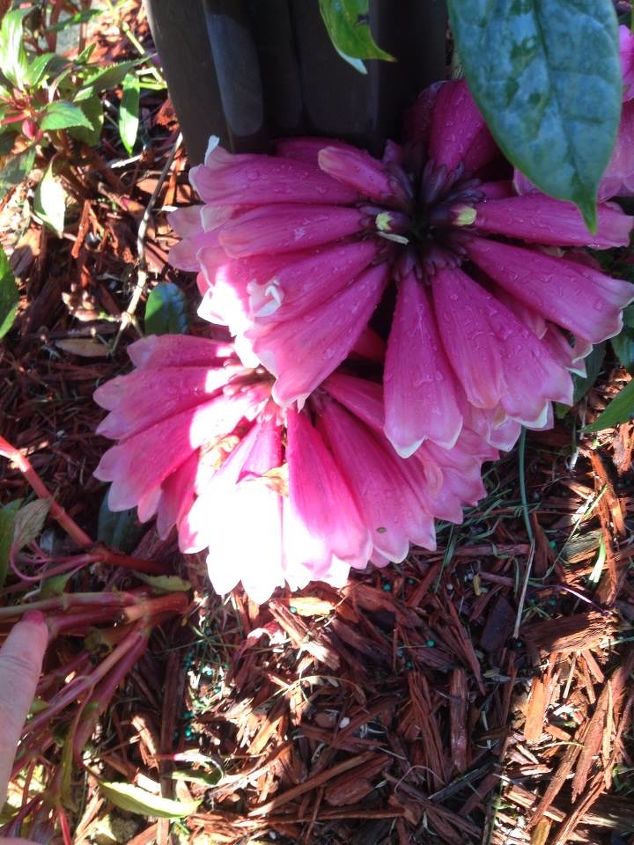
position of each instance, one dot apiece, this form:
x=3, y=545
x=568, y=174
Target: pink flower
x=484, y=312
x=274, y=495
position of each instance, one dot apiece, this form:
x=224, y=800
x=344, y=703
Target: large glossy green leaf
x=9, y=295
x=620, y=410
x=547, y=77
x=166, y=310
x=347, y=22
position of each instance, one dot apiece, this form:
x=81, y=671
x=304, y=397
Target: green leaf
x=92, y=107
x=133, y=799
x=9, y=295
x=14, y=169
x=74, y=20
x=29, y=522
x=129, y=111
x=119, y=529
x=165, y=583
x=623, y=343
x=105, y=78
x=347, y=22
x=49, y=202
x=620, y=410
x=13, y=61
x=546, y=76
x=166, y=310
x=37, y=69
x=7, y=523
x=55, y=586
x=62, y=115
x=594, y=362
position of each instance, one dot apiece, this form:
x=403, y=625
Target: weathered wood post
x=252, y=70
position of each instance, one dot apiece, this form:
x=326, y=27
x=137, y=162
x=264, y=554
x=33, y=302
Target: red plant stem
x=65, y=826
x=75, y=666
x=68, y=600
x=100, y=554
x=41, y=490
x=77, y=623
x=100, y=699
x=80, y=685
x=150, y=567
x=171, y=603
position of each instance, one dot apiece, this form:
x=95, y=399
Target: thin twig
x=529, y=531
x=41, y=490
x=128, y=317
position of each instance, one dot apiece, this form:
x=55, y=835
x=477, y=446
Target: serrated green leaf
x=74, y=20
x=92, y=107
x=98, y=80
x=9, y=295
x=29, y=522
x=547, y=78
x=133, y=799
x=119, y=530
x=13, y=61
x=63, y=115
x=15, y=168
x=7, y=523
x=165, y=583
x=347, y=22
x=129, y=111
x=166, y=310
x=49, y=202
x=620, y=410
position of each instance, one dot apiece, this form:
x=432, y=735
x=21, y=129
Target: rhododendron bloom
x=480, y=293
x=275, y=495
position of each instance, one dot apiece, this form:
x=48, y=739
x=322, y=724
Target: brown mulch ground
x=481, y=694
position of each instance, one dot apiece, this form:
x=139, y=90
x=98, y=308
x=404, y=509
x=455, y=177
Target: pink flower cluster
x=396, y=322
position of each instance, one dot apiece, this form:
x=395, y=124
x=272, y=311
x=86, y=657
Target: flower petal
x=540, y=219
x=286, y=228
x=263, y=179
x=365, y=174
x=386, y=501
x=302, y=352
x=579, y=298
x=459, y=137
x=321, y=496
x=495, y=356
x=420, y=388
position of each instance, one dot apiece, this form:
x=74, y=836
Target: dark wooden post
x=252, y=70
